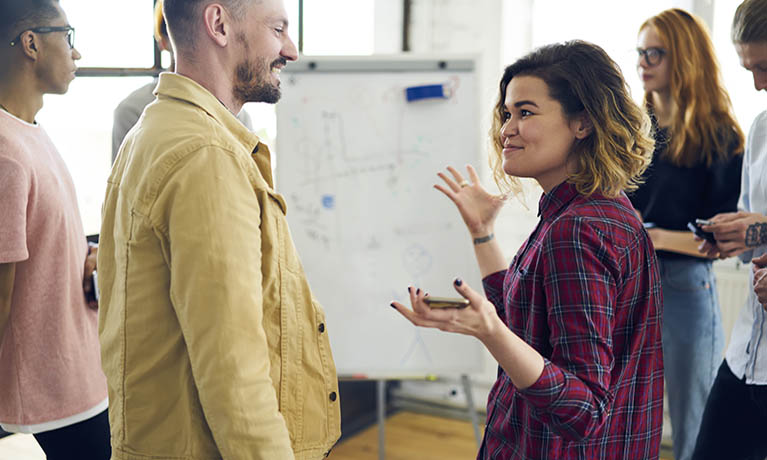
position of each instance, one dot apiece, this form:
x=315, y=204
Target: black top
x=673, y=195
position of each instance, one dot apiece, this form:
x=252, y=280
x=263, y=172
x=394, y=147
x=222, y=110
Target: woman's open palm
x=478, y=208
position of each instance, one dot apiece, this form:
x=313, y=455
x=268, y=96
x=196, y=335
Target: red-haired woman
x=695, y=174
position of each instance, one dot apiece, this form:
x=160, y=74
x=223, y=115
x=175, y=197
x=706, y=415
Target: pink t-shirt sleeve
x=14, y=189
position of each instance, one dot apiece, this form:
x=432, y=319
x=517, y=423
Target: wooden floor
x=409, y=436
x=412, y=436
x=417, y=436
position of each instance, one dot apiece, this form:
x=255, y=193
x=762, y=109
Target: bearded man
x=211, y=342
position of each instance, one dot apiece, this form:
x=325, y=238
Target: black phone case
x=695, y=228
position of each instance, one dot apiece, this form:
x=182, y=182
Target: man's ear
x=164, y=44
x=217, y=25
x=29, y=44
x=582, y=126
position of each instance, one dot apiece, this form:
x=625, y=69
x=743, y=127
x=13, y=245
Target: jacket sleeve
x=209, y=215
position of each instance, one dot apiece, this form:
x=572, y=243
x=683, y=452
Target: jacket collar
x=185, y=89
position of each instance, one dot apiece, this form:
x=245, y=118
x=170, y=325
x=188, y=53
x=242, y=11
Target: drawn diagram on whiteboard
x=417, y=260
x=417, y=345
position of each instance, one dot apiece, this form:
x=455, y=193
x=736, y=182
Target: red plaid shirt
x=584, y=291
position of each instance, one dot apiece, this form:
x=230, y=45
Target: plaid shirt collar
x=551, y=204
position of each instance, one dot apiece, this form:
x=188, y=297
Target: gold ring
x=463, y=183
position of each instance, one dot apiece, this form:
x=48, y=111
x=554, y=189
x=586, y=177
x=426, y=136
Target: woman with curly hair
x=695, y=174
x=574, y=321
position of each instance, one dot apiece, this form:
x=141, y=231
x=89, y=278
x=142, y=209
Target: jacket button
x=333, y=396
x=322, y=328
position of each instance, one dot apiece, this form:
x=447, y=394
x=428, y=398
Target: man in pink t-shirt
x=51, y=383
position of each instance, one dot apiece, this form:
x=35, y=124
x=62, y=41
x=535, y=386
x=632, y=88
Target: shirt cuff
x=746, y=257
x=546, y=390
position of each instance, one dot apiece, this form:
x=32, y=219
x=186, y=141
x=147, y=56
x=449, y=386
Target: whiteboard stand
x=381, y=410
x=381, y=419
x=470, y=407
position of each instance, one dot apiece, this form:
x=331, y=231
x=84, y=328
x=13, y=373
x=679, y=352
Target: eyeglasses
x=46, y=30
x=652, y=56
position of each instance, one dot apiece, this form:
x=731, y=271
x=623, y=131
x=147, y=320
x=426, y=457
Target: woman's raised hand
x=478, y=208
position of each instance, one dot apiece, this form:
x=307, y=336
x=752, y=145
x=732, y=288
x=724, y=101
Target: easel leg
x=381, y=387
x=470, y=407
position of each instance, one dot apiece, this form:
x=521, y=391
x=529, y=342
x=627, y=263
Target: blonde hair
x=160, y=28
x=585, y=81
x=703, y=127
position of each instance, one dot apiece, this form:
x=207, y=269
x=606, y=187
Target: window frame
x=157, y=67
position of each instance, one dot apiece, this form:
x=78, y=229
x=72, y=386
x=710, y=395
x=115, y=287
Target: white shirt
x=747, y=353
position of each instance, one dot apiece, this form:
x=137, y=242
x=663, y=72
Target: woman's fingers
x=450, y=182
x=459, y=178
x=416, y=300
x=473, y=174
x=467, y=292
x=414, y=317
x=421, y=314
x=449, y=193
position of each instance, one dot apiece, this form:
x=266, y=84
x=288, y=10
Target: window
x=339, y=27
x=80, y=122
x=612, y=25
x=122, y=38
x=615, y=25
x=80, y=125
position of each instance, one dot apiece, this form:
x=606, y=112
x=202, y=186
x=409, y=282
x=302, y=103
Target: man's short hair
x=750, y=22
x=181, y=16
x=19, y=15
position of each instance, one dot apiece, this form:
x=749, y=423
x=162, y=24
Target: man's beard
x=252, y=83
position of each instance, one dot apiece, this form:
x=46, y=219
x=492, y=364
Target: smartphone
x=695, y=227
x=93, y=296
x=446, y=302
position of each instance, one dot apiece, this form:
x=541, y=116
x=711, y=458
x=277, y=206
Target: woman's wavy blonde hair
x=703, y=127
x=584, y=80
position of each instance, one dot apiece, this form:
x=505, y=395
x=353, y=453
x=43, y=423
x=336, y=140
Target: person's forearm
x=680, y=242
x=489, y=255
x=7, y=276
x=521, y=362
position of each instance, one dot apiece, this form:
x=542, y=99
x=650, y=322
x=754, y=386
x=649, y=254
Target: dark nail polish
x=458, y=282
x=392, y=305
x=408, y=289
x=417, y=291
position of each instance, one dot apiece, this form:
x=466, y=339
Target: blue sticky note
x=415, y=93
x=328, y=201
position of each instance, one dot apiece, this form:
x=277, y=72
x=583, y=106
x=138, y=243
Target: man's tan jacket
x=211, y=341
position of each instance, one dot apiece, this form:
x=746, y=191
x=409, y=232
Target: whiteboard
x=357, y=163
